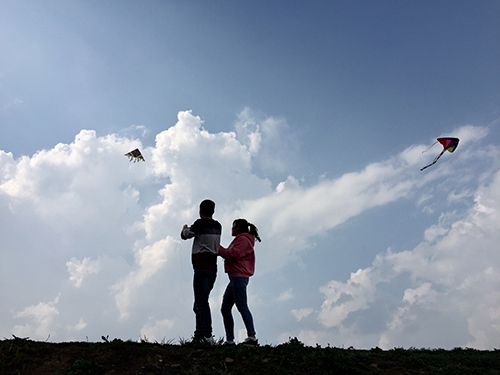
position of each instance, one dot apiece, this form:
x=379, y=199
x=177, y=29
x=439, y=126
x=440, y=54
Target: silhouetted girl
x=239, y=264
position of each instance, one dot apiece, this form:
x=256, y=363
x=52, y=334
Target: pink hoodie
x=239, y=257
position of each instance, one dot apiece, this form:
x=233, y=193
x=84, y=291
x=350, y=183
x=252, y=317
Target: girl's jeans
x=236, y=294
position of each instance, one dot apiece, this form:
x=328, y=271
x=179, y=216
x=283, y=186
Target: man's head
x=207, y=208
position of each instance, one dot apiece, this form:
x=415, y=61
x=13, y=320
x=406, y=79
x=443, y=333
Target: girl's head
x=243, y=226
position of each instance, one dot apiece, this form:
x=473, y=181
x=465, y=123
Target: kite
x=135, y=155
x=449, y=144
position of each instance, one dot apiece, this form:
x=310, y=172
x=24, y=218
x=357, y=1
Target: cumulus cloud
x=42, y=318
x=149, y=260
x=452, y=283
x=78, y=270
x=149, y=332
x=102, y=234
x=268, y=139
x=302, y=313
x=341, y=299
x=293, y=214
x=109, y=227
x=286, y=295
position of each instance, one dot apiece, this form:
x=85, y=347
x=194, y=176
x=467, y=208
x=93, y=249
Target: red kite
x=449, y=144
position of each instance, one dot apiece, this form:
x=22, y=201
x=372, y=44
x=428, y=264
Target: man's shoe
x=229, y=343
x=208, y=340
x=204, y=340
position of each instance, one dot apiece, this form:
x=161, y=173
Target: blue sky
x=307, y=119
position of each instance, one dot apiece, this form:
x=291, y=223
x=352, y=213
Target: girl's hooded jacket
x=239, y=257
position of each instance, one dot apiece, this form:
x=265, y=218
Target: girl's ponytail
x=246, y=227
x=253, y=230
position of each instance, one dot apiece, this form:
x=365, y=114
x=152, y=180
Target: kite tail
x=435, y=160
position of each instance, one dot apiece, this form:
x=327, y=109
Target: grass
x=24, y=356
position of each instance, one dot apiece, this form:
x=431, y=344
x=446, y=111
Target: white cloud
x=420, y=295
x=455, y=277
x=42, y=319
x=114, y=225
x=152, y=331
x=356, y=294
x=302, y=313
x=458, y=196
x=78, y=270
x=106, y=232
x=286, y=295
x=80, y=326
x=293, y=214
x=268, y=140
x=149, y=260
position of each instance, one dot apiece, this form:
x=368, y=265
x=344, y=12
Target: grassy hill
x=23, y=356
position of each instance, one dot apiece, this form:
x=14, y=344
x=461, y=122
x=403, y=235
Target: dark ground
x=23, y=356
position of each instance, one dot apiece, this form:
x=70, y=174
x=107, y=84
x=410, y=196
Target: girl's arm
x=240, y=247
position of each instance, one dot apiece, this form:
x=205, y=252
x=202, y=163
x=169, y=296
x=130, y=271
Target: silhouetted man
x=206, y=232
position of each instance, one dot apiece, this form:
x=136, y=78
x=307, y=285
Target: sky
x=311, y=120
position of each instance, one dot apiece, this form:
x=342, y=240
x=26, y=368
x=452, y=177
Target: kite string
x=182, y=270
x=429, y=147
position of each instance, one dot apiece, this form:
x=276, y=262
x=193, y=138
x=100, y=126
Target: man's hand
x=182, y=232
